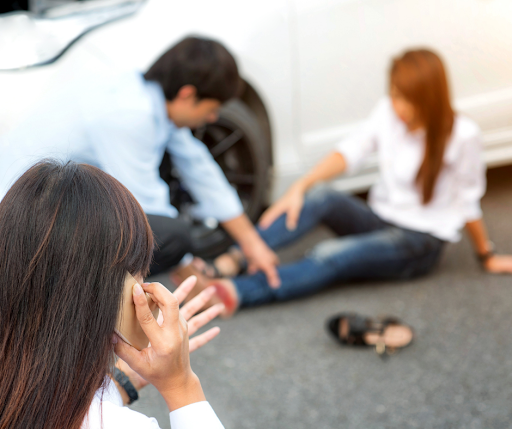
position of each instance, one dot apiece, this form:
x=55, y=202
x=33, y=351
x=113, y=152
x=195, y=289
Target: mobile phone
x=128, y=327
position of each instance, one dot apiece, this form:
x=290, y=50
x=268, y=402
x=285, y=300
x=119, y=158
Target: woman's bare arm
x=291, y=203
x=480, y=239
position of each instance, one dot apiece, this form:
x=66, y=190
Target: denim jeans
x=366, y=248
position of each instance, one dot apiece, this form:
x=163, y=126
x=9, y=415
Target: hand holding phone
x=128, y=327
x=166, y=363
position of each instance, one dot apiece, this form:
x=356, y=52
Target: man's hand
x=499, y=264
x=258, y=255
x=261, y=258
x=290, y=204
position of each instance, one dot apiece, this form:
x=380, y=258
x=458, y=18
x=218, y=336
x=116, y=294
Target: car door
x=344, y=48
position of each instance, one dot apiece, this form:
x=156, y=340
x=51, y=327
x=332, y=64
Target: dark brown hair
x=68, y=235
x=421, y=78
x=203, y=63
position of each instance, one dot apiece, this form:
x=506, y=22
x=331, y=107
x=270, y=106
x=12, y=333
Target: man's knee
x=175, y=238
x=172, y=241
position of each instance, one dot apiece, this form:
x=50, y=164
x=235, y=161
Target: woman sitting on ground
x=432, y=177
x=69, y=234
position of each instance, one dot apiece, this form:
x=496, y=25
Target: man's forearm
x=241, y=230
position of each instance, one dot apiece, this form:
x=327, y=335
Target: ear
x=187, y=92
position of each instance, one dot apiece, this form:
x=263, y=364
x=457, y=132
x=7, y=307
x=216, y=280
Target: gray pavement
x=274, y=366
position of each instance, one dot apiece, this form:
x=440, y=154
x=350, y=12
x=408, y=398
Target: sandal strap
x=216, y=273
x=358, y=326
x=239, y=257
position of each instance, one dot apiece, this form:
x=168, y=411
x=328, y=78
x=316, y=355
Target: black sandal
x=360, y=329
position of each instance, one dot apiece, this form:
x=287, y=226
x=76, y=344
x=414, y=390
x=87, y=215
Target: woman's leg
x=343, y=213
x=388, y=253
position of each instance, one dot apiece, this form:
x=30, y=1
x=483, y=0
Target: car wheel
x=238, y=144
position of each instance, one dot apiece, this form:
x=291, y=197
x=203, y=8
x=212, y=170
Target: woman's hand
x=290, y=204
x=194, y=324
x=499, y=264
x=191, y=308
x=166, y=363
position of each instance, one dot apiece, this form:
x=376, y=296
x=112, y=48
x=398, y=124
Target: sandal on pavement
x=387, y=335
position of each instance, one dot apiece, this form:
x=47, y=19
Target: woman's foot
x=225, y=289
x=229, y=264
x=225, y=293
x=181, y=273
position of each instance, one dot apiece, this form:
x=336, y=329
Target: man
x=123, y=123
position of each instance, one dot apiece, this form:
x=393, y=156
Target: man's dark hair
x=203, y=63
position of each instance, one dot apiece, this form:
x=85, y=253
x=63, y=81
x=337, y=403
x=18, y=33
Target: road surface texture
x=273, y=367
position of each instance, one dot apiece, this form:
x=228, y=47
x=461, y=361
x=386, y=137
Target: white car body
x=319, y=66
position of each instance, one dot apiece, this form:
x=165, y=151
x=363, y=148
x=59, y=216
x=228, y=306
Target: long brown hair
x=420, y=77
x=68, y=235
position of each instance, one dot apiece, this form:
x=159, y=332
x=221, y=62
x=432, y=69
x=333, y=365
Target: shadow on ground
x=274, y=366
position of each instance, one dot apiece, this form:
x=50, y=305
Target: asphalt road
x=274, y=366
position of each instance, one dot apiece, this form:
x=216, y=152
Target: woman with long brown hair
x=432, y=178
x=69, y=234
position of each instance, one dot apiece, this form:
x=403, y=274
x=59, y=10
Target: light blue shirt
x=120, y=125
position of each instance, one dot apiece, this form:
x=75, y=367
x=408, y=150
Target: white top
x=395, y=197
x=107, y=412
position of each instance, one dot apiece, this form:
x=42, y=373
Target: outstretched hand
x=499, y=264
x=189, y=310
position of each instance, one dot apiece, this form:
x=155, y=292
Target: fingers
x=499, y=264
x=273, y=278
x=166, y=301
x=201, y=340
x=270, y=272
x=184, y=288
x=144, y=315
x=198, y=302
x=252, y=268
x=292, y=217
x=270, y=215
x=204, y=318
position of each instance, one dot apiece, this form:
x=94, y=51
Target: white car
x=313, y=68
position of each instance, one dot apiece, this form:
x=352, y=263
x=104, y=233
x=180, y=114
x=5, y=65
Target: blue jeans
x=366, y=248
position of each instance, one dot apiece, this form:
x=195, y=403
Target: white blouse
x=395, y=197
x=107, y=412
